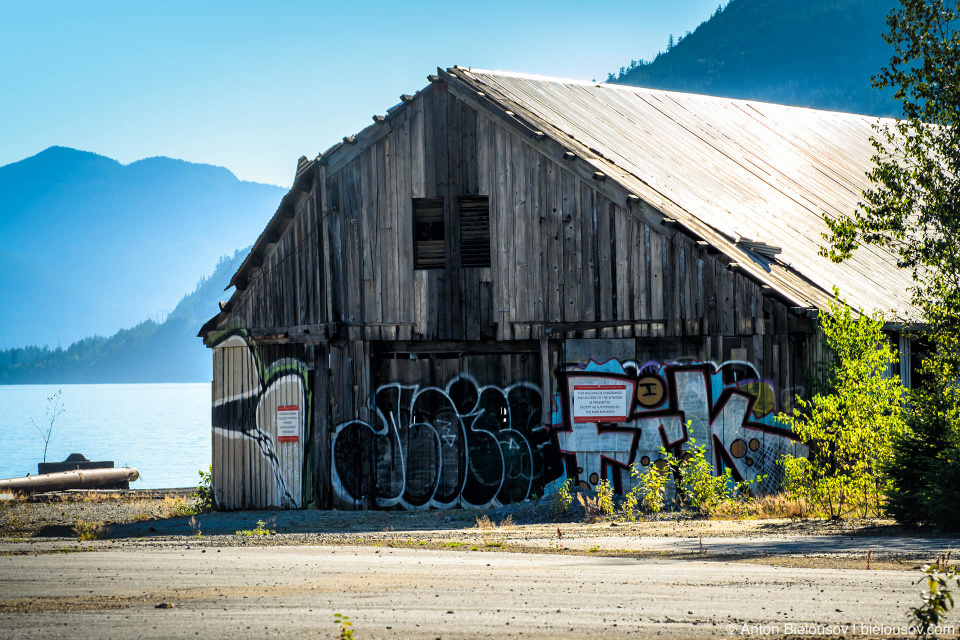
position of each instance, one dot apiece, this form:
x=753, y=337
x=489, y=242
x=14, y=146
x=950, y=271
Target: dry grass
x=493, y=534
x=88, y=530
x=175, y=507
x=761, y=508
x=591, y=508
x=141, y=510
x=99, y=496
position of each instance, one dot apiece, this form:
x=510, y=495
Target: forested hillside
x=814, y=53
x=149, y=352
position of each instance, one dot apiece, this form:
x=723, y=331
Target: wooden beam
x=342, y=154
x=456, y=347
x=563, y=327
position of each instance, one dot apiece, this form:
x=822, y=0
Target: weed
x=605, y=498
x=650, y=489
x=561, y=498
x=591, y=507
x=174, y=507
x=204, y=492
x=141, y=510
x=196, y=526
x=937, y=599
x=474, y=549
x=48, y=428
x=493, y=534
x=346, y=627
x=259, y=531
x=87, y=530
x=452, y=544
x=771, y=506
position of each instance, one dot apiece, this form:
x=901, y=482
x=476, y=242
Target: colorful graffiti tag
x=261, y=409
x=610, y=416
x=465, y=444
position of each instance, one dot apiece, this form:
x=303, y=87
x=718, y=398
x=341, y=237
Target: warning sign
x=601, y=402
x=288, y=423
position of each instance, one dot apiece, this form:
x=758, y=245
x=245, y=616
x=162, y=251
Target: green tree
x=924, y=472
x=851, y=425
x=913, y=209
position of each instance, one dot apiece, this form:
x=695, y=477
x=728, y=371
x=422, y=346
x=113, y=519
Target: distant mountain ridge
x=89, y=245
x=815, y=53
x=148, y=352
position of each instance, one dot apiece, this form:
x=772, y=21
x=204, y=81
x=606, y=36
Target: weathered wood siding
x=561, y=252
x=339, y=290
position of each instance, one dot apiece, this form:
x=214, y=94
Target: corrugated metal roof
x=727, y=170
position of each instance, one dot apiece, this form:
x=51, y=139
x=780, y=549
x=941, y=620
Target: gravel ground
x=129, y=519
x=128, y=515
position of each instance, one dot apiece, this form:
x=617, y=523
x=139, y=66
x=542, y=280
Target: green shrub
x=700, y=488
x=605, y=498
x=650, y=489
x=561, y=498
x=204, y=492
x=851, y=425
x=261, y=530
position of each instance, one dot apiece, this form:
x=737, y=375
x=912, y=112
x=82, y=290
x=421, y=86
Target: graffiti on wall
x=463, y=444
x=257, y=462
x=610, y=416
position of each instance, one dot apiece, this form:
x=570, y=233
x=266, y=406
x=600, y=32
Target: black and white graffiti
x=252, y=465
x=462, y=445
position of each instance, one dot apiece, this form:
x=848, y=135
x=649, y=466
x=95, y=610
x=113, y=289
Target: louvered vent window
x=428, y=236
x=475, y=231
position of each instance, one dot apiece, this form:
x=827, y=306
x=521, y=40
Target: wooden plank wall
x=561, y=251
x=251, y=468
x=561, y=254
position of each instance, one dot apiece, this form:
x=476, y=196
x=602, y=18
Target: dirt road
x=293, y=592
x=439, y=575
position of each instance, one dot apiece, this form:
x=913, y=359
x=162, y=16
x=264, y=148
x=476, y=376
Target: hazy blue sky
x=253, y=85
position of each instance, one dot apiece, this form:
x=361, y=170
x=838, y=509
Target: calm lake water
x=163, y=430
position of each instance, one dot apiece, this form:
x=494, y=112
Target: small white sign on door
x=288, y=423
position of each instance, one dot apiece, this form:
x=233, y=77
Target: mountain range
x=814, y=53
x=89, y=246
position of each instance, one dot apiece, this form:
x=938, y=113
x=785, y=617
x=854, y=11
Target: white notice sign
x=288, y=423
x=600, y=402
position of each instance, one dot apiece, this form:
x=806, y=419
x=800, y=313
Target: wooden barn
x=508, y=280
